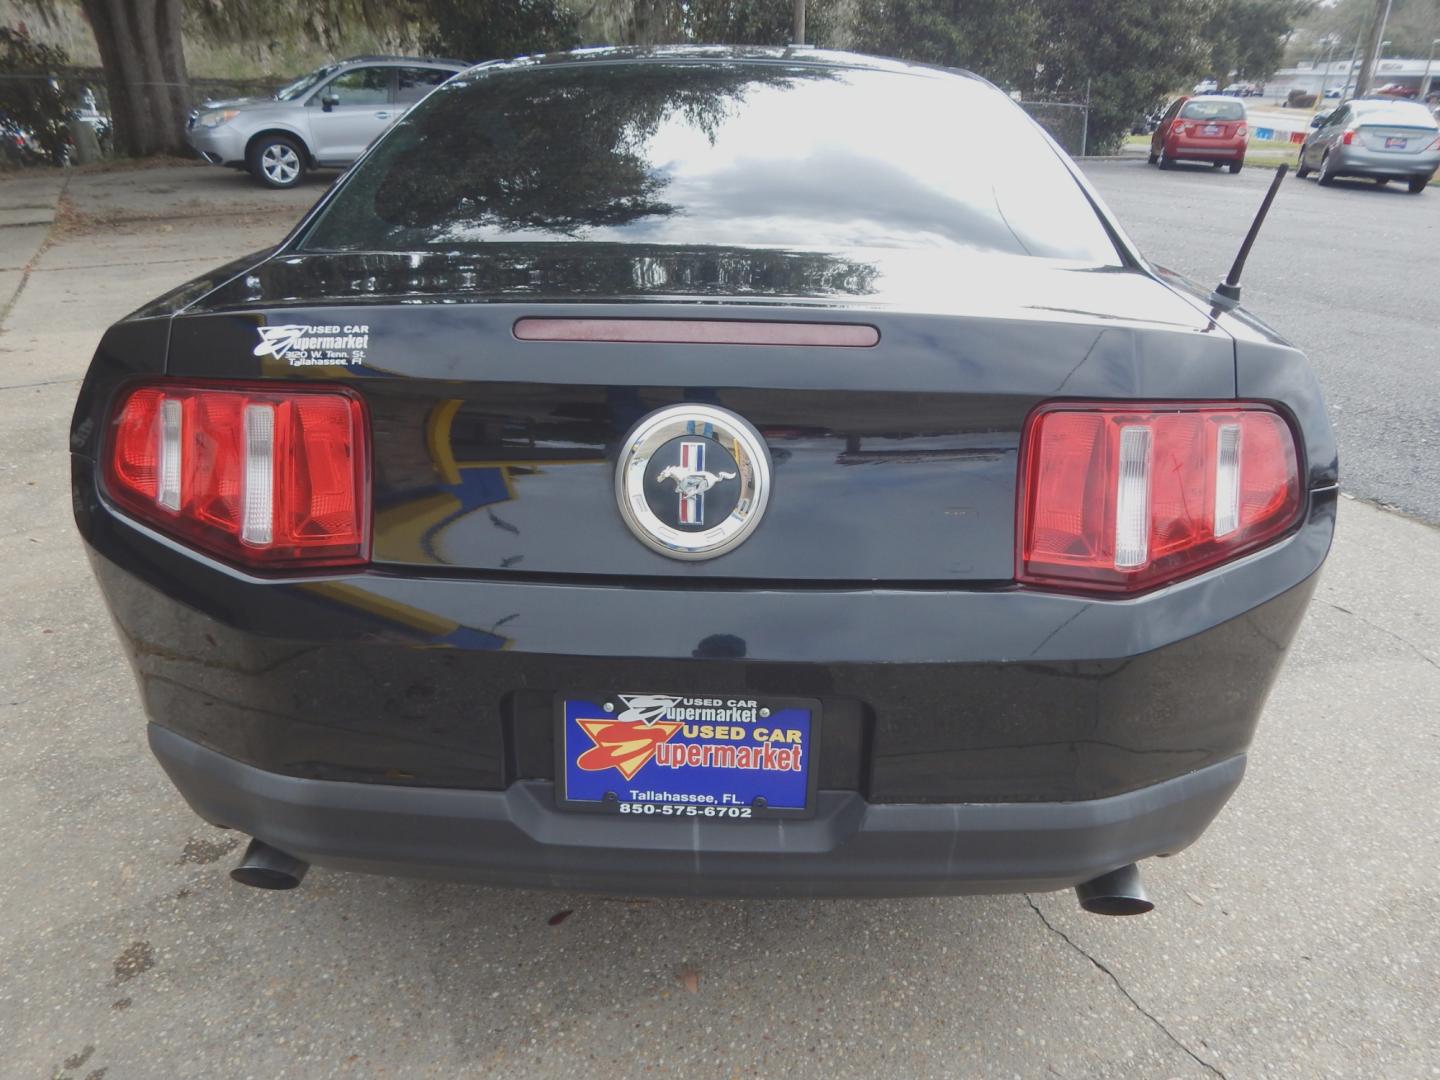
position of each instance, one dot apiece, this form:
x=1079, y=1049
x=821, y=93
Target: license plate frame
x=1396, y=142
x=687, y=791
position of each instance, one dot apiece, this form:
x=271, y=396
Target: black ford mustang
x=746, y=472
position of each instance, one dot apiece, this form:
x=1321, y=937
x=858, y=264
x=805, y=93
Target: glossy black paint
x=929, y=694
x=880, y=582
x=896, y=462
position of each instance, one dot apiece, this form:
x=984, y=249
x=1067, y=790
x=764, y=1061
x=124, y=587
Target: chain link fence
x=1067, y=122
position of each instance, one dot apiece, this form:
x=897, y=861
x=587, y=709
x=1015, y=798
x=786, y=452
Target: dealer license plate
x=717, y=757
x=1395, y=142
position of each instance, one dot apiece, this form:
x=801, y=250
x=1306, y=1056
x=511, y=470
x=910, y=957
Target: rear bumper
x=1183, y=150
x=850, y=848
x=972, y=740
x=1356, y=160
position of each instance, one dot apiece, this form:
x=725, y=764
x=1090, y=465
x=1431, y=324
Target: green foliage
x=1412, y=25
x=30, y=97
x=739, y=22
x=499, y=29
x=1247, y=37
x=1125, y=54
x=994, y=38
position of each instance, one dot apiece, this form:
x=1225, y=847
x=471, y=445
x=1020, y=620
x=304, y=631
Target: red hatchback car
x=1207, y=127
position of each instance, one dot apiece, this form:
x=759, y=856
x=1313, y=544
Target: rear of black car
x=1037, y=529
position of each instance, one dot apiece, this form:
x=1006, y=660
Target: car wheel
x=1152, y=158
x=277, y=161
x=1326, y=178
x=1166, y=161
x=1236, y=166
x=1418, y=184
x=1301, y=169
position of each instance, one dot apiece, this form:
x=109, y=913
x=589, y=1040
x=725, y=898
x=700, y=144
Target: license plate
x=1212, y=129
x=1394, y=142
x=717, y=757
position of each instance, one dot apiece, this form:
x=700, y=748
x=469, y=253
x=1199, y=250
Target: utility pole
x=1346, y=86
x=1425, y=79
x=1372, y=47
x=1325, y=74
x=799, y=23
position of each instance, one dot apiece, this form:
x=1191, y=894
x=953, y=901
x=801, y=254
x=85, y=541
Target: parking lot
x=1297, y=939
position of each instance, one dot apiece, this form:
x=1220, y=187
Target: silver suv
x=323, y=119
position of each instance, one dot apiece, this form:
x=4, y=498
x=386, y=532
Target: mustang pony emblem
x=692, y=483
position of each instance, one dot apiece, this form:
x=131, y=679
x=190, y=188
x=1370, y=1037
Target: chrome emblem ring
x=693, y=481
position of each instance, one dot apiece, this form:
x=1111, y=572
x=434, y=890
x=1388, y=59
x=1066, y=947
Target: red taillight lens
x=1180, y=128
x=268, y=477
x=1124, y=499
x=1348, y=138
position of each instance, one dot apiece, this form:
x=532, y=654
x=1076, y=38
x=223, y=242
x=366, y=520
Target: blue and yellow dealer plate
x=722, y=757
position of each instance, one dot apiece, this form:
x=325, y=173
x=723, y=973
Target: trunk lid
x=891, y=463
x=1396, y=138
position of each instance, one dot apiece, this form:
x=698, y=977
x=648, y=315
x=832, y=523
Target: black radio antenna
x=1227, y=293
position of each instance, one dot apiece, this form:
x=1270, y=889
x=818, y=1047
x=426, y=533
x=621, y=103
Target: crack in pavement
x=7, y=305
x=1121, y=987
x=1384, y=630
x=32, y=385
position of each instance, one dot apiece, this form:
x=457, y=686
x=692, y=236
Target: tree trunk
x=144, y=60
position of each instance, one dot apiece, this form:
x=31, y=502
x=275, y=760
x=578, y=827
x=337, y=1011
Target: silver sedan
x=1379, y=138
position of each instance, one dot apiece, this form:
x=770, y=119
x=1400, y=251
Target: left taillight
x=1119, y=499
x=266, y=476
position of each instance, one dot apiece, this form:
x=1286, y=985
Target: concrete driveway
x=1297, y=939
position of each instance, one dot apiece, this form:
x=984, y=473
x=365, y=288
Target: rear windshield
x=1212, y=110
x=1399, y=113
x=799, y=157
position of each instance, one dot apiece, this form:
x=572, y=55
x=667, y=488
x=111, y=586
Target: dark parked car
x=681, y=472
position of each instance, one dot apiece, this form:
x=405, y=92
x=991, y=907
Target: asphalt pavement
x=1297, y=939
x=1349, y=273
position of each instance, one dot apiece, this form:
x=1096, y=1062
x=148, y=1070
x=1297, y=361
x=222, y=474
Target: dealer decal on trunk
x=302, y=345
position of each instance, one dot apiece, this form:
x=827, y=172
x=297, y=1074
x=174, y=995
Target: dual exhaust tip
x=1116, y=893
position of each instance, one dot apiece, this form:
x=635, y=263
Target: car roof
x=447, y=61
x=1216, y=97
x=795, y=54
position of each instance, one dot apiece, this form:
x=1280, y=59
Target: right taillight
x=270, y=476
x=1123, y=499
